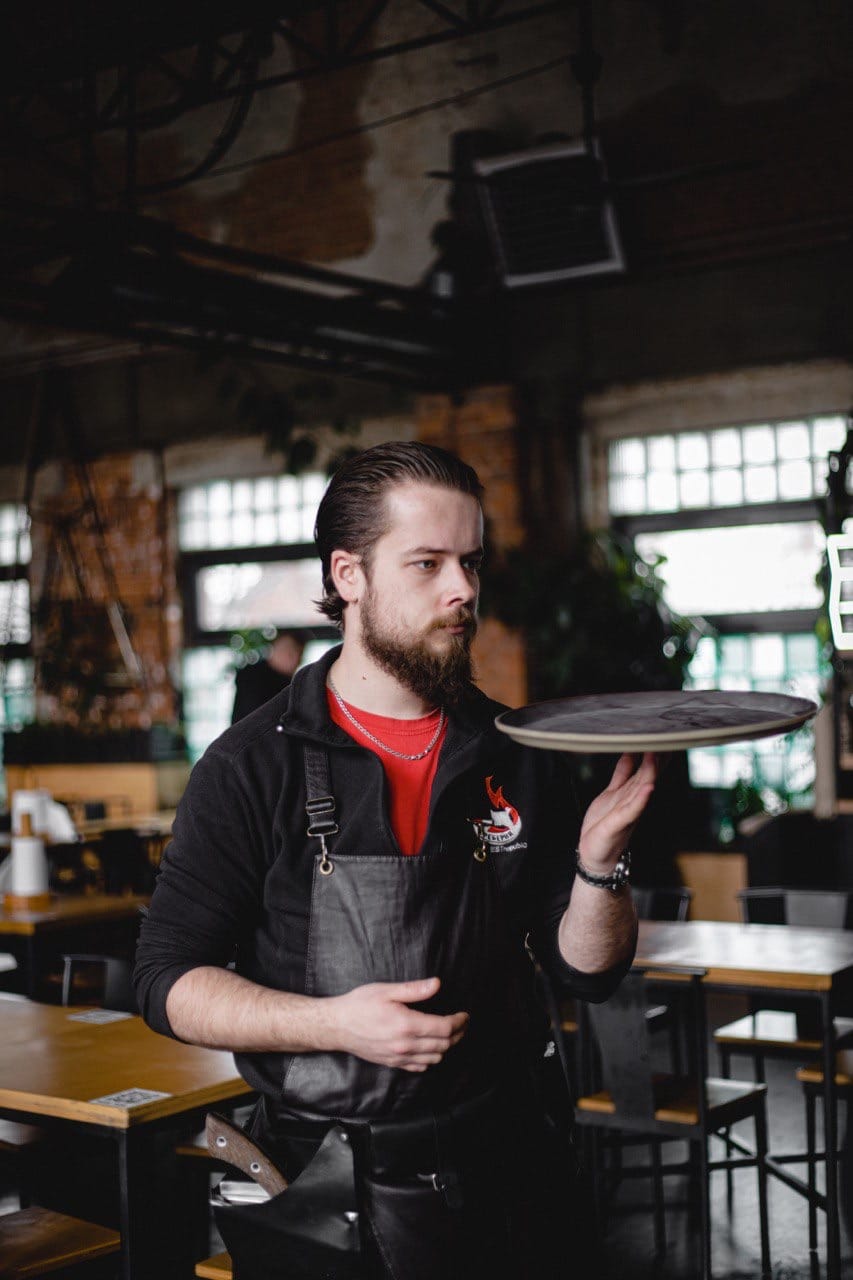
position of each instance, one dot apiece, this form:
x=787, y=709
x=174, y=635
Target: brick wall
x=482, y=428
x=81, y=677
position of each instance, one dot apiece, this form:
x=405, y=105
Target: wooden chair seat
x=35, y=1242
x=812, y=1073
x=773, y=1031
x=216, y=1268
x=677, y=1102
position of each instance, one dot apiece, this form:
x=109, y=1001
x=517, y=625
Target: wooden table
x=90, y=922
x=53, y=1067
x=771, y=959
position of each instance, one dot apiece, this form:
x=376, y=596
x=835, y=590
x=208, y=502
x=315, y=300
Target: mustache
x=462, y=618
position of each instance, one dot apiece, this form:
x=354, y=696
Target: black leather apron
x=436, y=1152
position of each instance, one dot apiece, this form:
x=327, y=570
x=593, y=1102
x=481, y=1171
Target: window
x=17, y=676
x=731, y=511
x=723, y=467
x=248, y=563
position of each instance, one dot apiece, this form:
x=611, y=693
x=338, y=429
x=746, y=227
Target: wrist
x=613, y=877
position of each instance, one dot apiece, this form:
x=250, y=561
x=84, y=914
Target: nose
x=462, y=585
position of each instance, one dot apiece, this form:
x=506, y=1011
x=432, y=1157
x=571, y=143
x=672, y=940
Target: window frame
x=192, y=562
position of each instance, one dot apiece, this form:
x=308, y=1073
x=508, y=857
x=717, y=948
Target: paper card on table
x=99, y=1015
x=130, y=1097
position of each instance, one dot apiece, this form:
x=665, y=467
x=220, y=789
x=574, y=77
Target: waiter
x=379, y=862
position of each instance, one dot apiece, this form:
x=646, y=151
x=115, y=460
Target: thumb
x=411, y=992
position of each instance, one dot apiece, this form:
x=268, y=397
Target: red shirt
x=409, y=781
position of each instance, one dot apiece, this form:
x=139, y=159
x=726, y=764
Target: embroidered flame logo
x=505, y=823
x=499, y=801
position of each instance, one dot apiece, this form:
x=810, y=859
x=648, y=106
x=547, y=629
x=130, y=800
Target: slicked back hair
x=353, y=516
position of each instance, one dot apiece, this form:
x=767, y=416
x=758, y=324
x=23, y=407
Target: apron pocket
x=309, y=1230
x=414, y=1230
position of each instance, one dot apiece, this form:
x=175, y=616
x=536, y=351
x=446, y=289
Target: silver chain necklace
x=390, y=750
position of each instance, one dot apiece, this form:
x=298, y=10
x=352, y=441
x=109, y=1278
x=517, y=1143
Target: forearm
x=219, y=1009
x=598, y=928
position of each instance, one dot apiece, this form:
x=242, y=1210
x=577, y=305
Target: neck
x=362, y=683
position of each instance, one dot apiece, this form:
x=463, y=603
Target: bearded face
x=433, y=661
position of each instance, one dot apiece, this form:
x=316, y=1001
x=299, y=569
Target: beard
x=440, y=678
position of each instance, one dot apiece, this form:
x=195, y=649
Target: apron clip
x=321, y=823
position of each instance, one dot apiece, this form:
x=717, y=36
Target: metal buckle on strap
x=321, y=819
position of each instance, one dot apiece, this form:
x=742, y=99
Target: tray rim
x=587, y=743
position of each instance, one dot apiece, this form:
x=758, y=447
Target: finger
x=433, y=1046
x=435, y=1025
x=411, y=992
x=422, y=1059
x=622, y=772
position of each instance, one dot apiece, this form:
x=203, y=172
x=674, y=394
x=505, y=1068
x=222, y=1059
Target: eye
x=425, y=564
x=473, y=565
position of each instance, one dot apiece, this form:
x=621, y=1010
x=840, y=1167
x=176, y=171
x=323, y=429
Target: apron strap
x=320, y=805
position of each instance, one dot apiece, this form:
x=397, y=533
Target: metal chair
x=811, y=1078
x=625, y=1096
x=98, y=980
x=792, y=1031
x=654, y=903
x=662, y=903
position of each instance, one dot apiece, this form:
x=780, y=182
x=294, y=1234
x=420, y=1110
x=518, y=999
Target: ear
x=347, y=575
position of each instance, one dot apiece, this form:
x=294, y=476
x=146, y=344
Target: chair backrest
x=827, y=909
x=662, y=903
x=98, y=980
x=124, y=855
x=822, y=908
x=621, y=1030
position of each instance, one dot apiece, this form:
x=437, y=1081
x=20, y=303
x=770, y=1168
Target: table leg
x=830, y=1121
x=140, y=1208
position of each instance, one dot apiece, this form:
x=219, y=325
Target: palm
x=611, y=817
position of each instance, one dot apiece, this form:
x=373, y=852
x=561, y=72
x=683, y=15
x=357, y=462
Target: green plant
x=594, y=618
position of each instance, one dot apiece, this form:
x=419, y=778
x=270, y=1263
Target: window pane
x=726, y=447
x=695, y=489
x=760, y=484
x=828, y=435
x=692, y=451
x=795, y=480
x=759, y=444
x=767, y=656
x=15, y=612
x=17, y=693
x=281, y=593
x=792, y=440
x=14, y=534
x=627, y=496
x=744, y=569
x=726, y=488
x=663, y=491
x=628, y=458
x=661, y=453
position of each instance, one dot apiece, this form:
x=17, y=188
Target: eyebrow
x=442, y=551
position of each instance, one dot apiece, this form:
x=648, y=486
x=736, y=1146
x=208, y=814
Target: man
x=382, y=975
x=257, y=682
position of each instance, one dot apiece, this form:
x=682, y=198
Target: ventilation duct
x=548, y=214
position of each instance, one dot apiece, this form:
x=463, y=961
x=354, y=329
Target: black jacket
x=235, y=882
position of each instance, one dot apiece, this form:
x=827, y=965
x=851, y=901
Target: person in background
x=379, y=862
x=257, y=682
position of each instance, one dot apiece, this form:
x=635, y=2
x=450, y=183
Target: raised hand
x=611, y=817
x=375, y=1022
